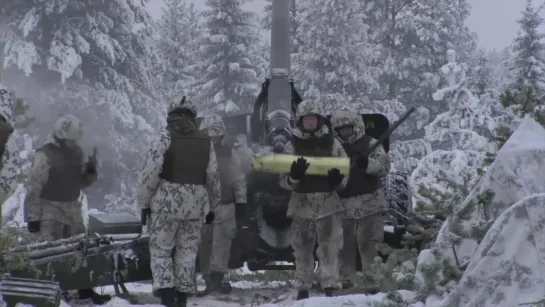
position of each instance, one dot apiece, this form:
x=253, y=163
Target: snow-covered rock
x=506, y=269
x=516, y=173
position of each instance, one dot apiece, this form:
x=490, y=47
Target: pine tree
x=181, y=33
x=231, y=80
x=528, y=67
x=332, y=64
x=294, y=22
x=481, y=81
x=414, y=37
x=91, y=60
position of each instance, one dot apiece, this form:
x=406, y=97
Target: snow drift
x=516, y=173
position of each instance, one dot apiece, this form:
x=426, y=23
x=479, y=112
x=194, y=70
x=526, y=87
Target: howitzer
x=88, y=261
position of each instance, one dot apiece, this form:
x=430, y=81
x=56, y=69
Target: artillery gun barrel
x=280, y=36
x=47, y=244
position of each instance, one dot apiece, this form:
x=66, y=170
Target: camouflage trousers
x=59, y=220
x=215, y=247
x=361, y=235
x=173, y=252
x=327, y=232
x=54, y=230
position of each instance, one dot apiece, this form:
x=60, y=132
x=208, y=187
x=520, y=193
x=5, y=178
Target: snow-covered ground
x=251, y=294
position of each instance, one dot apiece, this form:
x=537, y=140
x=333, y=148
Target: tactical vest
x=65, y=174
x=359, y=182
x=224, y=155
x=314, y=147
x=186, y=159
x=5, y=132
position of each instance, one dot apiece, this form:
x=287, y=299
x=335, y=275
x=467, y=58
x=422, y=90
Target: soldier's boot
x=168, y=297
x=212, y=284
x=181, y=299
x=98, y=299
x=347, y=284
x=329, y=291
x=225, y=287
x=302, y=294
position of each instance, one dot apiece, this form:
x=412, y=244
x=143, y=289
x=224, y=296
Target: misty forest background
x=116, y=68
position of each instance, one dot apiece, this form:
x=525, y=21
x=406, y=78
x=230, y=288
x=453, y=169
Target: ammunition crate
x=114, y=223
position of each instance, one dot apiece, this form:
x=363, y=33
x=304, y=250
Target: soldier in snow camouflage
x=315, y=206
x=179, y=190
x=363, y=197
x=8, y=174
x=52, y=208
x=216, y=238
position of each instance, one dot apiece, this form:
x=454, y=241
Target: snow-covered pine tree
x=230, y=81
x=528, y=67
x=333, y=63
x=413, y=37
x=480, y=74
x=294, y=22
x=181, y=33
x=88, y=59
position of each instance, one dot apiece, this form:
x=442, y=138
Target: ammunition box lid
x=114, y=223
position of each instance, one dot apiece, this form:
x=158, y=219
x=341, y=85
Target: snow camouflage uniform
x=316, y=211
x=52, y=208
x=8, y=183
x=362, y=198
x=216, y=239
x=179, y=187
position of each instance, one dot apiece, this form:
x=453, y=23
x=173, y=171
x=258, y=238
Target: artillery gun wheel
x=398, y=195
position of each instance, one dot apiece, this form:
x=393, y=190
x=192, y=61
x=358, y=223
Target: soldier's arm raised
x=213, y=180
x=89, y=173
x=286, y=182
x=338, y=151
x=37, y=178
x=379, y=161
x=239, y=182
x=153, y=165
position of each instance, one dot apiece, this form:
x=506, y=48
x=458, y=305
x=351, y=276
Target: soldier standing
x=314, y=205
x=216, y=240
x=363, y=197
x=58, y=174
x=179, y=190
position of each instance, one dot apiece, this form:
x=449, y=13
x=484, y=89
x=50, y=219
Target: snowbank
x=506, y=269
x=516, y=173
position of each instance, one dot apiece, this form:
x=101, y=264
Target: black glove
x=299, y=168
x=334, y=177
x=210, y=217
x=362, y=162
x=240, y=211
x=91, y=165
x=33, y=227
x=144, y=215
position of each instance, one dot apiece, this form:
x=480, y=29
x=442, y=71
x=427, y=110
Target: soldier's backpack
x=5, y=131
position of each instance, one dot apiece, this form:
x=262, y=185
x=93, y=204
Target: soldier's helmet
x=68, y=127
x=182, y=105
x=347, y=117
x=308, y=107
x=213, y=124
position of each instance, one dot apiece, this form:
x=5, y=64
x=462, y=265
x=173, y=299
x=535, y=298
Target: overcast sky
x=494, y=21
